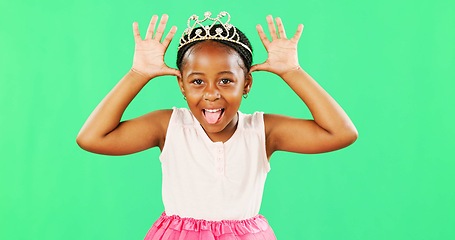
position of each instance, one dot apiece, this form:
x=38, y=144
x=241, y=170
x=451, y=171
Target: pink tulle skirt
x=178, y=228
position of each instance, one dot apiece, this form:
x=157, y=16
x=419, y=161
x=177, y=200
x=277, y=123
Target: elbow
x=350, y=135
x=81, y=142
x=94, y=144
x=354, y=135
x=84, y=142
x=345, y=136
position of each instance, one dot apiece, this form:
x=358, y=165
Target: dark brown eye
x=225, y=81
x=197, y=81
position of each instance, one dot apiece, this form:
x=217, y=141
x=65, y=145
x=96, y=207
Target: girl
x=214, y=158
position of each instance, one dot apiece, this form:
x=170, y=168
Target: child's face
x=213, y=82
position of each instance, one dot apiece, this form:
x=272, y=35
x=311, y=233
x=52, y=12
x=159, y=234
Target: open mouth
x=212, y=116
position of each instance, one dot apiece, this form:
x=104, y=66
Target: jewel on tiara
x=222, y=31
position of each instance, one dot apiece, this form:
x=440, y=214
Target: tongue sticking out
x=212, y=117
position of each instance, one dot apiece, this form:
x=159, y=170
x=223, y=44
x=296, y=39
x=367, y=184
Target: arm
x=331, y=128
x=103, y=132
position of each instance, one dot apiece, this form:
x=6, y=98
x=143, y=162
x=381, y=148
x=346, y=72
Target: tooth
x=213, y=110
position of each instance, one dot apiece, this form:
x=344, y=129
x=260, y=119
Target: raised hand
x=149, y=52
x=282, y=52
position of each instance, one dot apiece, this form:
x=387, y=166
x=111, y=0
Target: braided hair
x=245, y=55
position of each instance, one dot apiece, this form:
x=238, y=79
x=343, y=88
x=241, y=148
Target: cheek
x=238, y=92
x=193, y=91
x=233, y=94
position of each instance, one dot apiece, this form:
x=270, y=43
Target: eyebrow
x=201, y=73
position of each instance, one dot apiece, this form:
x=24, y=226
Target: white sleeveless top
x=210, y=180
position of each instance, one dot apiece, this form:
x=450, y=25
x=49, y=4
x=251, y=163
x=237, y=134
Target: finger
x=169, y=36
x=136, y=33
x=161, y=27
x=172, y=71
x=298, y=33
x=262, y=35
x=151, y=27
x=280, y=26
x=271, y=25
x=258, y=67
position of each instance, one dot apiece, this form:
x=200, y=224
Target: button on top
x=220, y=159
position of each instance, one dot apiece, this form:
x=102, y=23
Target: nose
x=211, y=93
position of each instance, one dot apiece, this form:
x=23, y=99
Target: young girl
x=214, y=158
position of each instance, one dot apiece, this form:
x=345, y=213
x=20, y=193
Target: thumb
x=258, y=67
x=171, y=71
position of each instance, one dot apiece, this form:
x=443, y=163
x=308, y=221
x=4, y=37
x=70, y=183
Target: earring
x=245, y=95
x=184, y=97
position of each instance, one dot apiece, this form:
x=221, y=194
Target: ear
x=180, y=82
x=248, y=83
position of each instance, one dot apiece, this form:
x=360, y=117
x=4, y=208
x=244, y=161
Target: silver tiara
x=222, y=31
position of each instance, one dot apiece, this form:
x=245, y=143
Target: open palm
x=282, y=52
x=149, y=52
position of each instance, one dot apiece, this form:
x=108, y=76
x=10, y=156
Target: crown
x=217, y=30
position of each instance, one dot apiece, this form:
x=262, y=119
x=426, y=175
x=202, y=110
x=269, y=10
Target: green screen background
x=390, y=64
